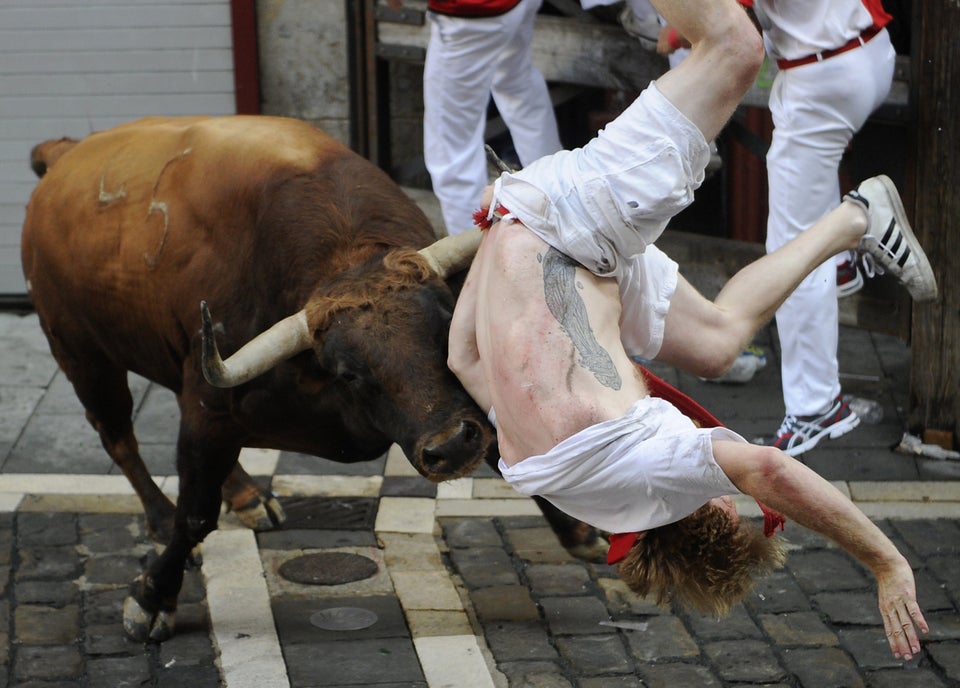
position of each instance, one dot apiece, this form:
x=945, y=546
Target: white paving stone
x=240, y=614
x=918, y=491
x=398, y=465
x=426, y=590
x=62, y=483
x=9, y=502
x=327, y=485
x=487, y=507
x=453, y=662
x=462, y=488
x=406, y=515
x=908, y=510
x=259, y=461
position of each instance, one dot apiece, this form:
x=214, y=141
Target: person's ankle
x=857, y=217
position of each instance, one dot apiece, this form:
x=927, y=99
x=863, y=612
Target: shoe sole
x=923, y=265
x=834, y=431
x=850, y=288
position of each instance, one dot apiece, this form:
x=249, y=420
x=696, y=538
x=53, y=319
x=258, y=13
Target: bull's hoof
x=262, y=514
x=143, y=626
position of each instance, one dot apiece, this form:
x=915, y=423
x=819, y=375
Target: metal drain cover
x=343, y=619
x=328, y=568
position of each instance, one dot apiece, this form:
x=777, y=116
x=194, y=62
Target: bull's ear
x=452, y=253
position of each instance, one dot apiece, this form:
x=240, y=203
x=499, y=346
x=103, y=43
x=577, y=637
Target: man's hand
x=395, y=4
x=901, y=614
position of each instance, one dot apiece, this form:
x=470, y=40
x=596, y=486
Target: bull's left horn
x=288, y=337
x=452, y=253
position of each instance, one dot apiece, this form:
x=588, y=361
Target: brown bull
x=306, y=255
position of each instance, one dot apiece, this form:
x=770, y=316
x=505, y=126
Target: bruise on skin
x=567, y=306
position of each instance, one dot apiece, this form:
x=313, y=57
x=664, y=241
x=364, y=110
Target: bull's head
x=406, y=394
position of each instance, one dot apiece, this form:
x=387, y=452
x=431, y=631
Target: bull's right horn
x=452, y=253
x=286, y=338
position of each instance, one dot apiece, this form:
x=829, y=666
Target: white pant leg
x=462, y=59
x=521, y=93
x=816, y=113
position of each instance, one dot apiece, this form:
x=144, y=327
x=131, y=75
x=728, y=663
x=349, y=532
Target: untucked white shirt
x=650, y=467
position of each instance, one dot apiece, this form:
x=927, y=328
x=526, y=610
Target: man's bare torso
x=540, y=383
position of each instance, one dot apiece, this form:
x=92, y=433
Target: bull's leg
x=255, y=507
x=580, y=539
x=102, y=389
x=203, y=463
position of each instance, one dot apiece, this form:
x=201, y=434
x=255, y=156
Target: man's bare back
x=568, y=372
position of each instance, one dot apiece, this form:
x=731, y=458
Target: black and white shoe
x=799, y=434
x=889, y=239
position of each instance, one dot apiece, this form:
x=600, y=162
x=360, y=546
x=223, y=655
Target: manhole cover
x=343, y=619
x=328, y=568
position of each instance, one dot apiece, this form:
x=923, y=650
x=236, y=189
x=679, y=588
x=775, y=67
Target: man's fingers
x=914, y=609
x=901, y=625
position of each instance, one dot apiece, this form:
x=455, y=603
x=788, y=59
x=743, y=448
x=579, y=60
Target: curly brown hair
x=705, y=561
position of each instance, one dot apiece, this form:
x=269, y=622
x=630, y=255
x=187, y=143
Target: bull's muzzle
x=453, y=454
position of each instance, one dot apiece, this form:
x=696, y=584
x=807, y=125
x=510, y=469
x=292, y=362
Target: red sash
x=472, y=8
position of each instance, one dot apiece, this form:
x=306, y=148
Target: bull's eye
x=349, y=376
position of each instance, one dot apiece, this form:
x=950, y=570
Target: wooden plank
x=600, y=55
x=934, y=377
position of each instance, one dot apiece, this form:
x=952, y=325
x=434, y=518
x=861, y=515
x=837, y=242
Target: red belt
x=864, y=36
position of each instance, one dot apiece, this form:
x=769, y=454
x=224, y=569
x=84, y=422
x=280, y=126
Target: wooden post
x=935, y=95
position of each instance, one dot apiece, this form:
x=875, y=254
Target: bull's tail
x=45, y=155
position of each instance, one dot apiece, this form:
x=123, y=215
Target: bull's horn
x=288, y=337
x=452, y=253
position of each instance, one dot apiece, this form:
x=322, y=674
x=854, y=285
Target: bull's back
x=127, y=226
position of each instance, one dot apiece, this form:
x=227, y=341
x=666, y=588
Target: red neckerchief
x=620, y=543
x=484, y=219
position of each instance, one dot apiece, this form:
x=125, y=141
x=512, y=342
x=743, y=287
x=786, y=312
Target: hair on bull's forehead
x=402, y=269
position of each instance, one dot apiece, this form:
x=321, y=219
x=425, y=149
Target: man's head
x=708, y=561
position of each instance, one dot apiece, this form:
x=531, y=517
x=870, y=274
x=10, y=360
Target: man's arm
x=463, y=356
x=725, y=58
x=787, y=485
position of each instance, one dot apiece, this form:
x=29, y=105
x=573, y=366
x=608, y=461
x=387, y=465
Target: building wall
x=304, y=58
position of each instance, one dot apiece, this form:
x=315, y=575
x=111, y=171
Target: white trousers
x=816, y=108
x=468, y=60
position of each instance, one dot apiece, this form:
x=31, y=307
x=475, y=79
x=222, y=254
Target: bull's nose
x=453, y=454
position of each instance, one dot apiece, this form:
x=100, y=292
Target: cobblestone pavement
x=468, y=586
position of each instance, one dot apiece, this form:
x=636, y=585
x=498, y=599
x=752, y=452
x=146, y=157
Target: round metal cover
x=328, y=568
x=343, y=619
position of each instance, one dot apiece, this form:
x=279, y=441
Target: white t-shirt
x=797, y=28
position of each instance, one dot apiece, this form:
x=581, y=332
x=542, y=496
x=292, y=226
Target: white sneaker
x=889, y=239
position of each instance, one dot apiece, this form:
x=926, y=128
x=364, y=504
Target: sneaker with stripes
x=889, y=239
x=798, y=434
